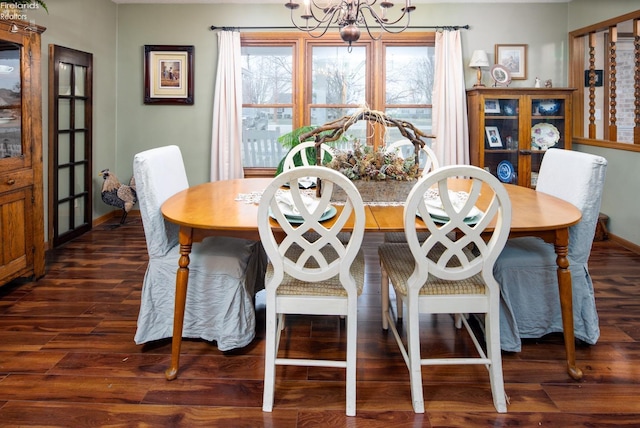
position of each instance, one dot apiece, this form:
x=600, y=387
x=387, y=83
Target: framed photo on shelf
x=493, y=137
x=514, y=59
x=168, y=74
x=491, y=106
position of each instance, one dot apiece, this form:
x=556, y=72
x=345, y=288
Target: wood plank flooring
x=67, y=358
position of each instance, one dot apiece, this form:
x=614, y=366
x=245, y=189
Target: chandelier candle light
x=349, y=16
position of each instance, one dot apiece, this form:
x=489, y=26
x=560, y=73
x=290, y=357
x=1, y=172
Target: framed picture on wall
x=514, y=59
x=493, y=137
x=168, y=74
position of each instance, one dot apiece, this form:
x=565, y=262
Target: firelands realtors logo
x=18, y=10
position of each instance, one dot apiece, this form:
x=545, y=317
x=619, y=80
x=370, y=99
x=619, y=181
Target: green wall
x=89, y=26
x=124, y=125
x=143, y=126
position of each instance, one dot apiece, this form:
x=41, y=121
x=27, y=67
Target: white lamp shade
x=479, y=59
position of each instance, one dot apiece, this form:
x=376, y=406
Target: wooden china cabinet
x=21, y=186
x=510, y=129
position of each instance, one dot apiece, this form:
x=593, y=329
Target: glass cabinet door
x=501, y=138
x=10, y=102
x=547, y=130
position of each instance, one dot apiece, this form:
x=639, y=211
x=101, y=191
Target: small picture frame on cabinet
x=493, y=137
x=491, y=106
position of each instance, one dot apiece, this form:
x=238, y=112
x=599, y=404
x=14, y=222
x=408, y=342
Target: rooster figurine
x=117, y=194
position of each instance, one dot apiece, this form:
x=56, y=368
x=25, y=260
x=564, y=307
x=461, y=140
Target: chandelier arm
x=387, y=25
x=329, y=13
x=306, y=28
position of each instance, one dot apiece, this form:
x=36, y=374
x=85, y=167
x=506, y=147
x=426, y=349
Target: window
x=291, y=80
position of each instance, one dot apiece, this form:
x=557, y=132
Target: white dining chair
x=319, y=277
x=428, y=162
x=427, y=158
x=449, y=273
x=527, y=268
x=304, y=154
x=224, y=273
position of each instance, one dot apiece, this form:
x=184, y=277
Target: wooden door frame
x=57, y=55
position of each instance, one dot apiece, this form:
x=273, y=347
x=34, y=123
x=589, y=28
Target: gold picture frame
x=168, y=74
x=514, y=59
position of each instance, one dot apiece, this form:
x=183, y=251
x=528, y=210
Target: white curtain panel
x=450, y=124
x=226, y=135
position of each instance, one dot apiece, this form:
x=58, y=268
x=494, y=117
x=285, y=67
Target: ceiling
x=284, y=1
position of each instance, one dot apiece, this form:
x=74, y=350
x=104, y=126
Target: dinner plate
x=304, y=183
x=469, y=220
x=287, y=206
x=437, y=212
x=441, y=217
x=296, y=219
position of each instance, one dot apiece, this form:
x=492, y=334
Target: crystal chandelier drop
x=349, y=15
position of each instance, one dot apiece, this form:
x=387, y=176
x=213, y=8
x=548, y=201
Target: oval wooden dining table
x=215, y=208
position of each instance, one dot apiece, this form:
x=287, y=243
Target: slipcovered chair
x=224, y=273
x=527, y=269
x=448, y=273
x=310, y=277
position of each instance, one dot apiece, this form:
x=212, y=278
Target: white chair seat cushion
x=398, y=256
x=216, y=281
x=527, y=267
x=331, y=287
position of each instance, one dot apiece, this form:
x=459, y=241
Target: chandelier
x=349, y=16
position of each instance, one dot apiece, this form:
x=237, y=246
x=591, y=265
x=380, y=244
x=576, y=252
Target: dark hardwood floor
x=67, y=358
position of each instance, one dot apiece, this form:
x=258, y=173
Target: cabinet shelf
x=513, y=125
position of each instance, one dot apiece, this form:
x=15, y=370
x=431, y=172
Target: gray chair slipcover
x=527, y=269
x=222, y=271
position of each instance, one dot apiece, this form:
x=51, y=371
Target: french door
x=70, y=143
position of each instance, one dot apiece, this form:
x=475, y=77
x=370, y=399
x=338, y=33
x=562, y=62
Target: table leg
x=182, y=278
x=566, y=301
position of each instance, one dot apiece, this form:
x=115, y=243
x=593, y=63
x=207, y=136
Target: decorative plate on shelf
x=544, y=135
x=501, y=75
x=505, y=171
x=548, y=107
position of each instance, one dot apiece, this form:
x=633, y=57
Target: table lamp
x=479, y=59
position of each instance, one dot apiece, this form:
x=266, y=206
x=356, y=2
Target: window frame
x=577, y=54
x=303, y=44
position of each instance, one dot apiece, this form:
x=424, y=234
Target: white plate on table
x=305, y=183
x=298, y=219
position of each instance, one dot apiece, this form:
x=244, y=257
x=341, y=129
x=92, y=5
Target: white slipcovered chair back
x=577, y=178
x=159, y=174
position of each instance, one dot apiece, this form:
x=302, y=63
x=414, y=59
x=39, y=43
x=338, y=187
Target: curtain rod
x=433, y=27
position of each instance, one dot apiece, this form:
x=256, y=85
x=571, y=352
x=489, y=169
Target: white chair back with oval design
x=320, y=276
x=451, y=272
